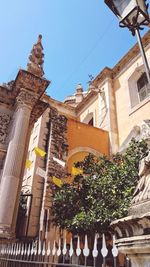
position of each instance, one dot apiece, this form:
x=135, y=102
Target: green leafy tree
x=102, y=194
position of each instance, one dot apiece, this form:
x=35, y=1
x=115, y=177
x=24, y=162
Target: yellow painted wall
x=127, y=118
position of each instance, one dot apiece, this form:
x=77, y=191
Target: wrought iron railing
x=44, y=253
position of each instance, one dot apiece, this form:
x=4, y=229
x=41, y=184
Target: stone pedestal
x=10, y=182
x=133, y=232
x=133, y=238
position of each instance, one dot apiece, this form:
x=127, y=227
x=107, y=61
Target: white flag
x=41, y=172
x=41, y=219
x=61, y=162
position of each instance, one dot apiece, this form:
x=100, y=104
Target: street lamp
x=132, y=14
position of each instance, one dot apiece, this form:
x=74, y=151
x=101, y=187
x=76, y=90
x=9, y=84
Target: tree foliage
x=102, y=194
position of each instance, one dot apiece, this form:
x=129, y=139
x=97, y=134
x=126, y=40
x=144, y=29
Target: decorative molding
x=83, y=149
x=4, y=123
x=124, y=61
x=26, y=98
x=145, y=129
x=138, y=132
x=31, y=82
x=38, y=110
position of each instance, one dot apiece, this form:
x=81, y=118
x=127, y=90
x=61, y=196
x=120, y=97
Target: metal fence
x=58, y=254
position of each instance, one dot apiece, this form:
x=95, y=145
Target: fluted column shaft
x=12, y=168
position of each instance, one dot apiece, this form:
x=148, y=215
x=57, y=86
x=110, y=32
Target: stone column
x=11, y=179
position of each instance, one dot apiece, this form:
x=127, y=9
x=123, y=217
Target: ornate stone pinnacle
x=36, y=61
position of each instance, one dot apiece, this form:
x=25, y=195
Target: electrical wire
x=109, y=26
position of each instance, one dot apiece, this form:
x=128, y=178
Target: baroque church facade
x=101, y=121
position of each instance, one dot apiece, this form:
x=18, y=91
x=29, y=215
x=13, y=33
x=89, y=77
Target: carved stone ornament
x=4, y=123
x=145, y=129
x=26, y=98
x=142, y=191
x=36, y=60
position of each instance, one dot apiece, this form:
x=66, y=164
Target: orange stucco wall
x=83, y=139
x=84, y=135
x=79, y=156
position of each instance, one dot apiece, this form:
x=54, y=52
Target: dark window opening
x=91, y=122
x=143, y=87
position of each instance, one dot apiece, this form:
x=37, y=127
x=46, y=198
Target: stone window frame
x=135, y=102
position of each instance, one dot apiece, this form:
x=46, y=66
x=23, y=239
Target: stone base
x=137, y=248
x=6, y=233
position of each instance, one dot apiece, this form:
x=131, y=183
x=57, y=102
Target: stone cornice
x=128, y=57
x=86, y=100
x=105, y=73
x=31, y=82
x=26, y=80
x=27, y=89
x=62, y=107
x=132, y=53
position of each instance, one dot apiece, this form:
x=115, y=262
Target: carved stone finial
x=36, y=61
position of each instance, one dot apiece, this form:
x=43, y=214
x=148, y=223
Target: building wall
x=115, y=112
x=32, y=182
x=84, y=135
x=91, y=108
x=102, y=106
x=128, y=116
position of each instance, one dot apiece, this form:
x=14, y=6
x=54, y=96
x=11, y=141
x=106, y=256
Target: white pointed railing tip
x=19, y=248
x=86, y=250
x=32, y=248
x=71, y=248
x=13, y=251
x=95, y=251
x=12, y=247
x=29, y=250
x=58, y=252
x=114, y=249
x=48, y=249
x=16, y=249
x=64, y=251
x=43, y=250
x=39, y=248
x=104, y=249
x=35, y=248
x=25, y=249
x=54, y=248
x=78, y=250
x=22, y=250
x=59, y=248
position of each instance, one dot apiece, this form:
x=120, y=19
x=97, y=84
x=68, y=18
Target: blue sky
x=80, y=37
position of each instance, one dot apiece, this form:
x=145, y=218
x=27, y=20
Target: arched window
x=143, y=87
x=139, y=88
